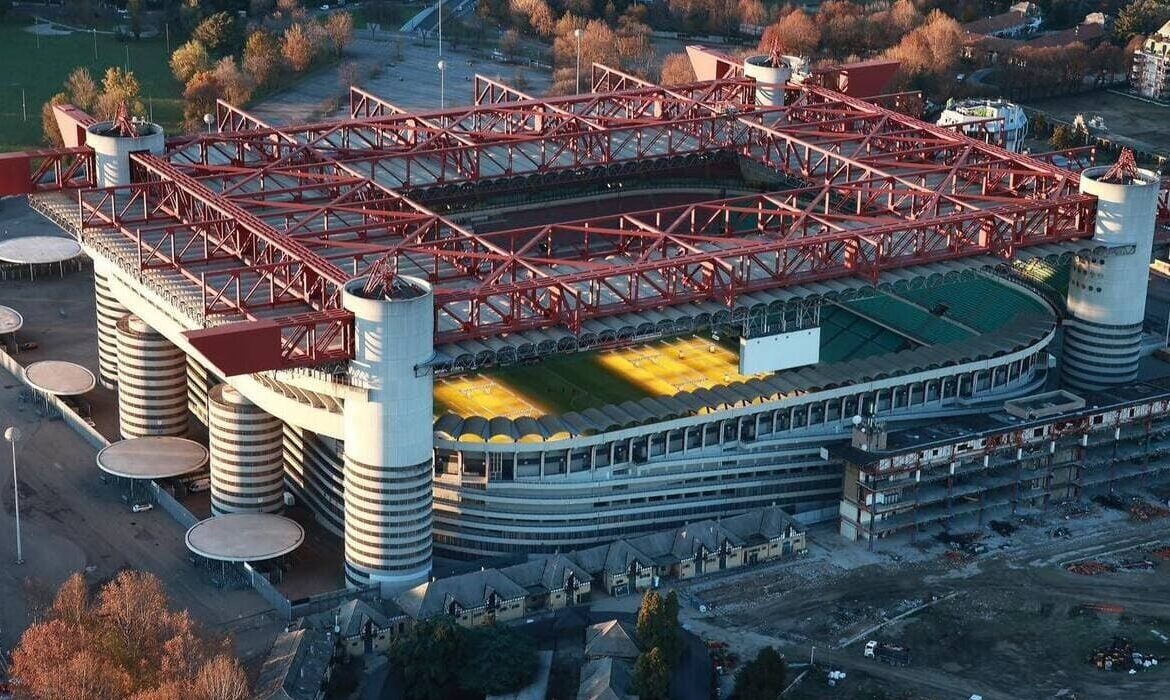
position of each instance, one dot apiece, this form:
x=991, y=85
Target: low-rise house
x=620, y=567
x=552, y=582
x=297, y=667
x=362, y=629
x=478, y=598
x=611, y=639
x=767, y=533
x=606, y=679
x=693, y=550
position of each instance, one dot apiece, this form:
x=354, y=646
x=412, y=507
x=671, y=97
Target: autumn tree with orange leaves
x=124, y=644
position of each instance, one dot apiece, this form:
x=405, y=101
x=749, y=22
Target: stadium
x=532, y=324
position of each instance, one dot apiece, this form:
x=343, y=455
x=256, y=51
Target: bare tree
x=220, y=678
x=676, y=70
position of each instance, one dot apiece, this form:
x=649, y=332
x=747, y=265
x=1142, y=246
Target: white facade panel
x=771, y=353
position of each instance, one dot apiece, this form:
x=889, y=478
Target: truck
x=892, y=654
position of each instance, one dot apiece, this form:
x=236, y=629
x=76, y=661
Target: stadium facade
x=519, y=326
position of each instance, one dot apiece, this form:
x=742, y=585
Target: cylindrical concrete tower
x=1107, y=291
x=770, y=79
x=109, y=310
x=152, y=382
x=389, y=436
x=112, y=150
x=247, y=444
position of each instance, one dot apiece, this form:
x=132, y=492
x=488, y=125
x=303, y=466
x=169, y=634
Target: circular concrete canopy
x=31, y=250
x=245, y=537
x=10, y=320
x=152, y=457
x=60, y=378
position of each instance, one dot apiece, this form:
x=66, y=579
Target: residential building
x=620, y=567
x=478, y=598
x=605, y=679
x=611, y=639
x=759, y=535
x=552, y=582
x=361, y=629
x=1150, y=76
x=297, y=667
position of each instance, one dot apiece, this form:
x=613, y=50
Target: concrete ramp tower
x=113, y=142
x=389, y=434
x=1107, y=288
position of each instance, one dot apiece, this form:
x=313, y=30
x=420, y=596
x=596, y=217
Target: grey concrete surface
x=70, y=521
x=245, y=537
x=401, y=69
x=152, y=457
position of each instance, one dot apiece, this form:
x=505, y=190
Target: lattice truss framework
x=269, y=223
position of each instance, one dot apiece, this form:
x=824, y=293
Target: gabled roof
x=605, y=679
x=352, y=616
x=1018, y=16
x=687, y=541
x=469, y=591
x=276, y=668
x=546, y=573
x=613, y=558
x=613, y=638
x=296, y=666
x=761, y=524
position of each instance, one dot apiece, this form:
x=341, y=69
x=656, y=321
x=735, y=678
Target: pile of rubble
x=1091, y=568
x=1143, y=511
x=1120, y=655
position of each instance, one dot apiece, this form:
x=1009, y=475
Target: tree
x=1139, y=18
x=219, y=33
x=199, y=98
x=262, y=54
x=752, y=12
x=299, y=47
x=425, y=654
x=221, y=678
x=652, y=675
x=235, y=85
x=676, y=70
x=118, y=86
x=126, y=643
x=500, y=660
x=763, y=677
x=510, y=43
x=658, y=625
x=348, y=75
x=189, y=59
x=339, y=29
x=796, y=33
x=83, y=92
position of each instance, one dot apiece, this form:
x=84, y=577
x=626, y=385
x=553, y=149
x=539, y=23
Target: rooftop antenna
x=383, y=276
x=123, y=123
x=775, y=55
x=1124, y=171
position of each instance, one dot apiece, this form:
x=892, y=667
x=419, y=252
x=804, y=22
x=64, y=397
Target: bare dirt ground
x=1009, y=623
x=1128, y=120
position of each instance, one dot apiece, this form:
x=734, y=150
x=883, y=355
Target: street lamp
x=208, y=120
x=12, y=435
x=578, y=33
x=442, y=85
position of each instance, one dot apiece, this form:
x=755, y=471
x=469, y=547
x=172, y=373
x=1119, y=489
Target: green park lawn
x=41, y=72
